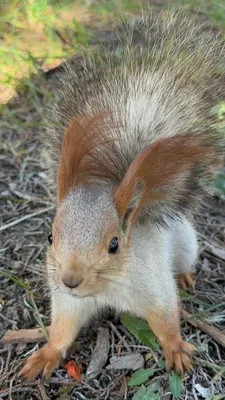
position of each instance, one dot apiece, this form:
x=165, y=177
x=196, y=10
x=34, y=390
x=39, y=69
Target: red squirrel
x=129, y=143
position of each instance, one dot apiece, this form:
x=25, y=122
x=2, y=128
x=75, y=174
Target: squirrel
x=130, y=142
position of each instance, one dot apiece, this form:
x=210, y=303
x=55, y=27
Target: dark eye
x=50, y=238
x=113, y=247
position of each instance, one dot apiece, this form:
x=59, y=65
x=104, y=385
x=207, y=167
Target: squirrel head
x=89, y=245
x=99, y=201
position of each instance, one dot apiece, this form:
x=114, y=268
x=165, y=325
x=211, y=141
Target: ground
x=26, y=213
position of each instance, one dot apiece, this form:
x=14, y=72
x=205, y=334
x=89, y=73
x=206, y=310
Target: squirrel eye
x=50, y=238
x=113, y=247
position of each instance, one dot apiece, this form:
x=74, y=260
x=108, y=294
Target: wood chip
x=25, y=217
x=100, y=353
x=132, y=361
x=218, y=252
x=24, y=336
x=216, y=334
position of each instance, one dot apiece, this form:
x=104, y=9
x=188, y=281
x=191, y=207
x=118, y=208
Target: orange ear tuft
x=80, y=151
x=70, y=158
x=162, y=169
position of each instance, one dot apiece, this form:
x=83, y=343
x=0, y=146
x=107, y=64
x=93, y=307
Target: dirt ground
x=26, y=214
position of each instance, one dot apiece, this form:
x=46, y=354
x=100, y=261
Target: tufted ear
x=81, y=152
x=159, y=173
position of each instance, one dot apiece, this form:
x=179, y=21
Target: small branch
x=37, y=335
x=24, y=336
x=216, y=334
x=18, y=221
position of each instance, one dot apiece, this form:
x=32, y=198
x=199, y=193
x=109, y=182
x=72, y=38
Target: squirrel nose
x=71, y=282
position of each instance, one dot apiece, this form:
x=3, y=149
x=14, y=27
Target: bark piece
x=24, y=336
x=216, y=334
x=100, y=353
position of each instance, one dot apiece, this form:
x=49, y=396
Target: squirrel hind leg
x=186, y=280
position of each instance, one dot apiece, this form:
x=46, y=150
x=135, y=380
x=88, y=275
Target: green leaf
x=148, y=338
x=140, y=330
x=17, y=281
x=154, y=387
x=147, y=393
x=134, y=325
x=161, y=364
x=140, y=394
x=176, y=385
x=140, y=376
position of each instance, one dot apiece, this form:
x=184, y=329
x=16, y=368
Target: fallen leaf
x=161, y=364
x=134, y=325
x=140, y=330
x=149, y=393
x=140, y=376
x=100, y=353
x=74, y=370
x=148, y=338
x=204, y=392
x=176, y=385
x=140, y=394
x=132, y=361
x=148, y=356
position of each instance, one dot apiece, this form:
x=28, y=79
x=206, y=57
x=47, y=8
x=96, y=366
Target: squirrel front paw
x=46, y=359
x=179, y=357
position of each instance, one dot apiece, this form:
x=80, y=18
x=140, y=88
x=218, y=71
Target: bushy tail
x=163, y=80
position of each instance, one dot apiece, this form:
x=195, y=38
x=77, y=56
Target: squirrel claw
x=186, y=280
x=180, y=359
x=46, y=359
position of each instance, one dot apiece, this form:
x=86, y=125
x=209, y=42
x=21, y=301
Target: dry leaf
x=100, y=353
x=204, y=392
x=132, y=361
x=74, y=370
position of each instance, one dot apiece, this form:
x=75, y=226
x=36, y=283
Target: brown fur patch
x=162, y=168
x=48, y=358
x=167, y=330
x=81, y=157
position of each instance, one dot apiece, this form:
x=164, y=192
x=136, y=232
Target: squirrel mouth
x=81, y=296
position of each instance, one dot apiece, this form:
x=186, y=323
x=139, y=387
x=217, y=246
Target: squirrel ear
x=159, y=173
x=130, y=212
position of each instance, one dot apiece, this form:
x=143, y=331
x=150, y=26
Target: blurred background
x=40, y=34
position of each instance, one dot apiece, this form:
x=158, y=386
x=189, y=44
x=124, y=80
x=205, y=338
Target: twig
x=37, y=335
x=24, y=336
x=18, y=221
x=8, y=359
x=13, y=323
x=27, y=197
x=42, y=391
x=115, y=330
x=216, y=334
